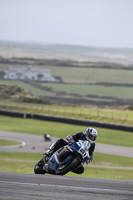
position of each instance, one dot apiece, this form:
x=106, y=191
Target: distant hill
x=66, y=52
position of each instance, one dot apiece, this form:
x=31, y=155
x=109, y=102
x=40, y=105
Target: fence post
x=80, y=111
x=106, y=114
x=112, y=115
x=126, y=116
x=97, y=113
x=57, y=108
x=64, y=109
x=24, y=116
x=49, y=108
x=73, y=111
x=89, y=112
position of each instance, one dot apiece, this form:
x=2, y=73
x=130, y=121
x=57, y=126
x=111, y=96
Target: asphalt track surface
x=18, y=186
x=15, y=186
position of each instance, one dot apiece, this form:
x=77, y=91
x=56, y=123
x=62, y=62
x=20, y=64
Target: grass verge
x=25, y=162
x=4, y=142
x=105, y=173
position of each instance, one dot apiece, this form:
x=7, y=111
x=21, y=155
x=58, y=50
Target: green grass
x=25, y=162
x=119, y=116
x=4, y=142
x=112, y=160
x=91, y=75
x=61, y=130
x=98, y=90
x=17, y=166
x=21, y=156
x=105, y=173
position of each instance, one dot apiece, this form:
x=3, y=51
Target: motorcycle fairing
x=78, y=147
x=53, y=163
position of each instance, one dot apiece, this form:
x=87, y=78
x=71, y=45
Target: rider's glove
x=70, y=139
x=87, y=159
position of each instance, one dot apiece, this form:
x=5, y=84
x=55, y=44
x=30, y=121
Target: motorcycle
x=65, y=159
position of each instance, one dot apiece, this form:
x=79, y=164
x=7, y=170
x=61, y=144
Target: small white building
x=29, y=73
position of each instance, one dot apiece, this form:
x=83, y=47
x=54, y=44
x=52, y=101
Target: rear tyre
x=38, y=169
x=64, y=169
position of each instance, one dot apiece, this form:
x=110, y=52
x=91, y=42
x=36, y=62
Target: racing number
x=83, y=152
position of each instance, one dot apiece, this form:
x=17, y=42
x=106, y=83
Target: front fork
x=45, y=155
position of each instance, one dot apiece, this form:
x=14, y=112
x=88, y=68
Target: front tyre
x=38, y=169
x=64, y=169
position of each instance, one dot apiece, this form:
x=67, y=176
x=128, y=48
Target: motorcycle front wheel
x=65, y=168
x=38, y=169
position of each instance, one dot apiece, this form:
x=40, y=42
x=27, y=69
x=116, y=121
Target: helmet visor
x=92, y=137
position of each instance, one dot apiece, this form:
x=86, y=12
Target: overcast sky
x=100, y=23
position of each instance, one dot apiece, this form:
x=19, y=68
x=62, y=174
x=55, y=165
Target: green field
x=92, y=75
x=76, y=91
x=82, y=83
x=99, y=90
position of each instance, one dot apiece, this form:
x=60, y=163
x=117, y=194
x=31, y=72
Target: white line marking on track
x=72, y=187
x=22, y=142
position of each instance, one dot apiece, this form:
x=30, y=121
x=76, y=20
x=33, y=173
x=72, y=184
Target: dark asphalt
x=15, y=186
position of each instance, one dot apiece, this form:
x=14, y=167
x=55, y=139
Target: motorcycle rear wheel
x=38, y=169
x=64, y=169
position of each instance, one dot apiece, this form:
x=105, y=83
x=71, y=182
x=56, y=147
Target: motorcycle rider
x=90, y=135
